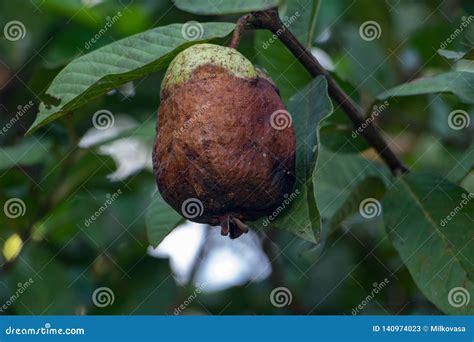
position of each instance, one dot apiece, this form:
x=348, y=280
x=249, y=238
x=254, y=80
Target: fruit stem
x=270, y=20
x=239, y=29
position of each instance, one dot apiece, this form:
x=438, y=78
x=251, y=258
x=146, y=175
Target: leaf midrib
x=433, y=224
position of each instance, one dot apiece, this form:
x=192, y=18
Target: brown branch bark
x=270, y=20
x=239, y=29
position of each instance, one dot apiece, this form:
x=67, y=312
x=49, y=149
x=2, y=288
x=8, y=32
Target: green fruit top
x=182, y=66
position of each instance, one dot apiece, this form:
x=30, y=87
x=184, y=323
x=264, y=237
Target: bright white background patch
x=130, y=154
x=226, y=263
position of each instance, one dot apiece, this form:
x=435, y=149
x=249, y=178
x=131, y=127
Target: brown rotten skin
x=215, y=143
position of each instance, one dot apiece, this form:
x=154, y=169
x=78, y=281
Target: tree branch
x=270, y=20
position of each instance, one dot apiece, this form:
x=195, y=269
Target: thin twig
x=239, y=29
x=270, y=20
x=200, y=255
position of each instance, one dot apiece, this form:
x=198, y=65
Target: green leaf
x=337, y=176
x=149, y=289
x=371, y=187
x=224, y=7
x=307, y=108
x=274, y=57
x=106, y=68
x=161, y=219
x=342, y=182
x=362, y=58
x=49, y=291
x=288, y=74
x=339, y=135
x=463, y=166
x=137, y=18
x=456, y=82
x=430, y=222
x=85, y=212
x=300, y=17
x=28, y=152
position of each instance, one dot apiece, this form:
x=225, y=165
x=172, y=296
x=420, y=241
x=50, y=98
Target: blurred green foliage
x=62, y=184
